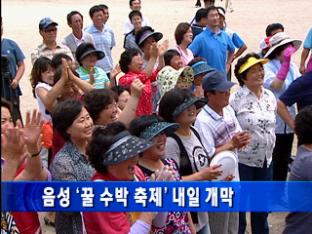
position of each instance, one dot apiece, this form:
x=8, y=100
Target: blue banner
x=156, y=196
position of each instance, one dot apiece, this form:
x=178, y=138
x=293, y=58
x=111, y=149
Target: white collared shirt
x=216, y=130
x=258, y=117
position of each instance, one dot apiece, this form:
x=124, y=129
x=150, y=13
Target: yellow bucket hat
x=250, y=62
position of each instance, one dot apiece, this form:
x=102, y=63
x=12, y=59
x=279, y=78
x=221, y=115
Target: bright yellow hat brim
x=250, y=62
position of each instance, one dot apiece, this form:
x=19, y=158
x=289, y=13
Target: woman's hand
x=210, y=173
x=32, y=132
x=164, y=174
x=154, y=50
x=163, y=47
x=65, y=70
x=136, y=88
x=13, y=145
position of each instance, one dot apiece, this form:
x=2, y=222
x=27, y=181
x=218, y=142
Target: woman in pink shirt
x=184, y=36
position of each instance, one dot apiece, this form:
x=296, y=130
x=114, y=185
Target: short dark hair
x=118, y=90
x=71, y=14
x=201, y=13
x=130, y=2
x=303, y=125
x=57, y=59
x=103, y=6
x=101, y=140
x=272, y=27
x=41, y=65
x=126, y=58
x=171, y=100
x=241, y=77
x=139, y=124
x=94, y=9
x=64, y=114
x=180, y=31
x=97, y=100
x=211, y=8
x=169, y=54
x=134, y=13
x=6, y=104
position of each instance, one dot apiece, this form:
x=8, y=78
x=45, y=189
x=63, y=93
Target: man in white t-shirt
x=135, y=5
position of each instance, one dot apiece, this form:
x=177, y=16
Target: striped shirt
x=216, y=130
x=103, y=40
x=43, y=51
x=100, y=77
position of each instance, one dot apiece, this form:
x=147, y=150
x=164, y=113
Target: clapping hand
x=211, y=173
x=241, y=140
x=163, y=47
x=164, y=174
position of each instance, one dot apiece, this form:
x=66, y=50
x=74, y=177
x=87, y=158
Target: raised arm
x=128, y=113
x=34, y=169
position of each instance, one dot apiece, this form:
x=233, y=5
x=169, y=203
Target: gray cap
x=46, y=22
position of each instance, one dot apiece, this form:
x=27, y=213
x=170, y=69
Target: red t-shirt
x=145, y=106
x=108, y=222
x=26, y=222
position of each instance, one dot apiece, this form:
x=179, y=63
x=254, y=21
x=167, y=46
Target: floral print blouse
x=177, y=222
x=70, y=165
x=258, y=117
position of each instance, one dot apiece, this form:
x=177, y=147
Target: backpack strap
x=196, y=134
x=185, y=167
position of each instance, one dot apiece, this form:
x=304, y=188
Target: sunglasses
x=50, y=30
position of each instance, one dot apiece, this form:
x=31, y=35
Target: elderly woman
x=280, y=72
x=103, y=108
x=87, y=57
x=255, y=109
x=154, y=129
x=131, y=63
x=147, y=40
x=184, y=145
x=75, y=125
x=184, y=36
x=114, y=153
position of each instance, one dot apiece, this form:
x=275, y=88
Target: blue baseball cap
x=217, y=81
x=46, y=22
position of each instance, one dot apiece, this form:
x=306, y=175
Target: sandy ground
x=249, y=19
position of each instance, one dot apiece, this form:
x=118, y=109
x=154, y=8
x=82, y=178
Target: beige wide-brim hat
x=280, y=39
x=168, y=77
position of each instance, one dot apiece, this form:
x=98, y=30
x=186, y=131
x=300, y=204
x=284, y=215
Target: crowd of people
x=161, y=114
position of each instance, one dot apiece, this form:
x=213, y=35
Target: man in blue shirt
x=12, y=70
x=214, y=44
x=103, y=36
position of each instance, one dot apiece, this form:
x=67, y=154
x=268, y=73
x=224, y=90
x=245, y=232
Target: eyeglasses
x=50, y=30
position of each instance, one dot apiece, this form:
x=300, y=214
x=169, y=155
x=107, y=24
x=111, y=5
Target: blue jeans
x=259, y=222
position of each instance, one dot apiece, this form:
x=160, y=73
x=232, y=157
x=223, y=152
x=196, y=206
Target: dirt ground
x=249, y=19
